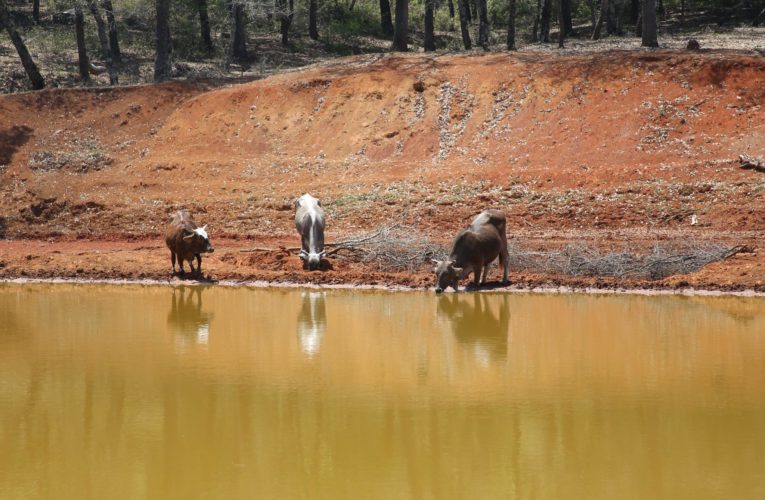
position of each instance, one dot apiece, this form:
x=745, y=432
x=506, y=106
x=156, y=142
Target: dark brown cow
x=473, y=250
x=186, y=241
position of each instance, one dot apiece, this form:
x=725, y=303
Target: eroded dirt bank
x=615, y=149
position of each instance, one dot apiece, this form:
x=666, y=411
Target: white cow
x=309, y=221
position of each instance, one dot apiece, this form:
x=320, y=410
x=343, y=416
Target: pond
x=186, y=392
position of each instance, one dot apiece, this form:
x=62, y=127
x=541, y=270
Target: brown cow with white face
x=187, y=241
x=473, y=250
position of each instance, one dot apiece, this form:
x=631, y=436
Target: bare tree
x=483, y=24
x=464, y=20
x=204, y=25
x=450, y=4
x=36, y=10
x=313, y=14
x=26, y=60
x=386, y=21
x=103, y=40
x=238, y=49
x=114, y=45
x=401, y=28
x=535, y=26
x=561, y=23
x=429, y=43
x=162, y=35
x=601, y=19
x=649, y=38
x=511, y=25
x=82, y=54
x=567, y=22
x=287, y=8
x=544, y=21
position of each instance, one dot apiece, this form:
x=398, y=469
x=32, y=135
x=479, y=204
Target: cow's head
x=312, y=259
x=198, y=240
x=446, y=275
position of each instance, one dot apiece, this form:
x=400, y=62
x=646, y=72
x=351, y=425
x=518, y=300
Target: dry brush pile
x=403, y=248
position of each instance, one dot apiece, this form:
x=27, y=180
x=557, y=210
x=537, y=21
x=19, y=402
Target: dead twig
x=751, y=163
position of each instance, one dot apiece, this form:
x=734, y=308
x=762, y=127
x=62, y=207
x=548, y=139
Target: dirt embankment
x=615, y=150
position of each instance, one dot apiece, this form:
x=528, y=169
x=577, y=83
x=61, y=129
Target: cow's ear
x=457, y=270
x=318, y=202
x=297, y=203
x=435, y=262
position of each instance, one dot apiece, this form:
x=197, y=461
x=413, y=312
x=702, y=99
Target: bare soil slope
x=614, y=149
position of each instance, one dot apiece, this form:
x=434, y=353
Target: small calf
x=187, y=241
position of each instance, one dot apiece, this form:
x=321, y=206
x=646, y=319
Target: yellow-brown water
x=111, y=392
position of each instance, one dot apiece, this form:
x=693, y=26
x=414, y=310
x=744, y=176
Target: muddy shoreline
x=562, y=289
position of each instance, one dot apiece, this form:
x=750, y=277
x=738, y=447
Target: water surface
x=192, y=392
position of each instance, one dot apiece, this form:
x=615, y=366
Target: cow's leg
x=191, y=264
x=485, y=274
x=172, y=259
x=199, y=264
x=504, y=261
x=180, y=263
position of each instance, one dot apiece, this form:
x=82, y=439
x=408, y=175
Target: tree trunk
x=649, y=24
x=238, y=34
x=401, y=32
x=593, y=18
x=82, y=54
x=473, y=9
x=634, y=11
x=288, y=12
x=204, y=25
x=612, y=18
x=511, y=25
x=561, y=23
x=601, y=19
x=483, y=25
x=36, y=11
x=544, y=21
x=162, y=61
x=450, y=3
x=535, y=26
x=639, y=24
x=313, y=13
x=103, y=40
x=26, y=60
x=430, y=42
x=386, y=21
x=114, y=45
x=353, y=4
x=567, y=22
x=463, y=9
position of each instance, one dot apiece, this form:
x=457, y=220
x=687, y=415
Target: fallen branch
x=750, y=163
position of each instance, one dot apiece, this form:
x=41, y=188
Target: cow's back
x=482, y=242
x=181, y=222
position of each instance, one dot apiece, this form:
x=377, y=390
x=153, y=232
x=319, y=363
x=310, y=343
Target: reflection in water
x=476, y=324
x=312, y=322
x=592, y=397
x=186, y=319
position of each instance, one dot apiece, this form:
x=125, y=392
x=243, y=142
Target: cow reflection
x=312, y=322
x=479, y=322
x=186, y=319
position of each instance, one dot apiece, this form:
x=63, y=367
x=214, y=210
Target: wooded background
x=75, y=42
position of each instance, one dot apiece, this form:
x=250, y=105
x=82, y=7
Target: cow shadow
x=186, y=319
x=476, y=324
x=311, y=322
x=11, y=140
